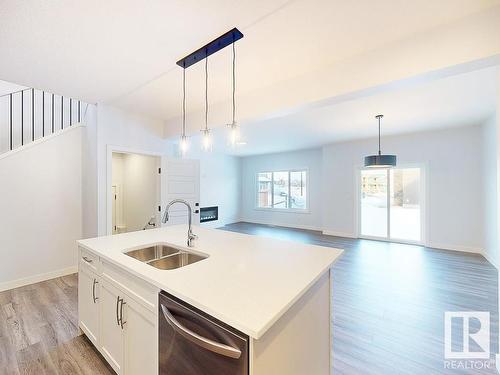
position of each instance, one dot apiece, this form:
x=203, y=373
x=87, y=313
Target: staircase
x=30, y=114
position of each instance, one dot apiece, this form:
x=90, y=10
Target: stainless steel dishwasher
x=193, y=343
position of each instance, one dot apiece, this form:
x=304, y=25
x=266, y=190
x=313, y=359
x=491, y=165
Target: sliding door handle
x=213, y=346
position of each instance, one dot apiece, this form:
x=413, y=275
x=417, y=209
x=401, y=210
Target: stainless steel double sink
x=165, y=257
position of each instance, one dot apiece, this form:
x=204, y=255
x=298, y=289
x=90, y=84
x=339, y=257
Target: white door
x=141, y=351
x=392, y=203
x=111, y=330
x=181, y=180
x=88, y=307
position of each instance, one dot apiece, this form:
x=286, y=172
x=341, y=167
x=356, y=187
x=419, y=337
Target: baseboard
x=37, y=278
x=465, y=249
x=489, y=259
x=219, y=223
x=338, y=234
x=282, y=225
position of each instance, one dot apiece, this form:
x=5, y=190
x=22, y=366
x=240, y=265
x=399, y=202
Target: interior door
x=181, y=180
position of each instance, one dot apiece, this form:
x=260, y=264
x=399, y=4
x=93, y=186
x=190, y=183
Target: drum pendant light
x=380, y=160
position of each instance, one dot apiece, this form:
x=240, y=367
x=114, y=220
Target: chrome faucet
x=191, y=235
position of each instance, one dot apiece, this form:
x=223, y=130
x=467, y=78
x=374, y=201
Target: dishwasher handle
x=204, y=342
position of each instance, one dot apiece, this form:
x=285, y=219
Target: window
x=282, y=190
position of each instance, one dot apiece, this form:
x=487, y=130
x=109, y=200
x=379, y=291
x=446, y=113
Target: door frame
x=424, y=198
x=109, y=181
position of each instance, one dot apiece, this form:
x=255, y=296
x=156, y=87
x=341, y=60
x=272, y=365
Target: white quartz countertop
x=247, y=281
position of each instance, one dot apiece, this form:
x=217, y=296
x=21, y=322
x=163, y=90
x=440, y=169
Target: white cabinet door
x=88, y=306
x=111, y=338
x=180, y=180
x=141, y=347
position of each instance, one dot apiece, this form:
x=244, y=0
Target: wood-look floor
x=39, y=331
x=389, y=302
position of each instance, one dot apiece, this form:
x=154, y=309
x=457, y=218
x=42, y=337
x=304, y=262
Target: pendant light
x=379, y=160
x=206, y=143
x=184, y=143
x=234, y=131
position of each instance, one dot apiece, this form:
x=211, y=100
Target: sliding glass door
x=391, y=204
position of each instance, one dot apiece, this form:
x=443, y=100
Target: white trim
x=465, y=249
x=327, y=232
x=489, y=259
x=40, y=140
x=109, y=180
x=273, y=223
x=37, y=278
x=283, y=210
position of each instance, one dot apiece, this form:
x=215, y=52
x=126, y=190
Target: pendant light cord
x=206, y=94
x=234, y=83
x=184, y=102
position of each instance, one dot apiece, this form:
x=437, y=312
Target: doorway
x=392, y=204
x=135, y=188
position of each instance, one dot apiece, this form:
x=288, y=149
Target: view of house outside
x=403, y=185
x=282, y=190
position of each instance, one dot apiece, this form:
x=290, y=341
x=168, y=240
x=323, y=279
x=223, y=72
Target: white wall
x=490, y=187
x=41, y=210
x=304, y=159
x=220, y=183
x=454, y=183
x=125, y=131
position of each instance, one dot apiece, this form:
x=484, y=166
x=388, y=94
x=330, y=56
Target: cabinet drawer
x=89, y=259
x=141, y=291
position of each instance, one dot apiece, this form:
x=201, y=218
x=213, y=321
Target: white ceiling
x=123, y=51
x=461, y=100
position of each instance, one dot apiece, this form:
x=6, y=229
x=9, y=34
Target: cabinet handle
x=93, y=290
x=117, y=317
x=87, y=259
x=121, y=312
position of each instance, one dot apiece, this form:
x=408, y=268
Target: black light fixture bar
x=209, y=49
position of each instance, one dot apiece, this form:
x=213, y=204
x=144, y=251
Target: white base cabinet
x=88, y=307
x=111, y=343
x=119, y=316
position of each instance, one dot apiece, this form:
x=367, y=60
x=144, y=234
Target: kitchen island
x=275, y=293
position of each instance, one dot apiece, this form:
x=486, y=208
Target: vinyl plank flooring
x=39, y=331
x=389, y=301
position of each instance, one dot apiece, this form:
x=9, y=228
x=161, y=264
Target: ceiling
x=123, y=52
x=460, y=100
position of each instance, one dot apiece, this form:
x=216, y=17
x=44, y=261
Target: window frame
x=285, y=210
